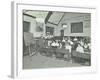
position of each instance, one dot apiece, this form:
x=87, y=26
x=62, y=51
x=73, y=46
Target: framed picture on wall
x=53, y=60
x=40, y=27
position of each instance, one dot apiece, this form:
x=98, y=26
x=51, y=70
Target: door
x=62, y=33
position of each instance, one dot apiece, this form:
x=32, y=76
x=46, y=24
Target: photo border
x=16, y=66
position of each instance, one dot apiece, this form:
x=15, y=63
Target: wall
x=33, y=26
x=67, y=31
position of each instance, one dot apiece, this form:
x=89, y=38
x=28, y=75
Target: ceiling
x=52, y=17
x=37, y=14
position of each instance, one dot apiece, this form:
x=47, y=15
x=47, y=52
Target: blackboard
x=77, y=27
x=26, y=26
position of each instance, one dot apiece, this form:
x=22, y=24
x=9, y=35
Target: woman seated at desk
x=54, y=44
x=81, y=42
x=80, y=48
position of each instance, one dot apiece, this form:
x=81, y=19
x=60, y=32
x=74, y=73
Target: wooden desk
x=81, y=57
x=61, y=52
x=54, y=51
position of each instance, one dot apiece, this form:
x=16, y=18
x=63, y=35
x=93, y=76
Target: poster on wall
x=58, y=55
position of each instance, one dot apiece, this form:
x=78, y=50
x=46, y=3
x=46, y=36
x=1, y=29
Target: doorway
x=62, y=33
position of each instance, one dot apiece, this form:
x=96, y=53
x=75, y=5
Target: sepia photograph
x=56, y=39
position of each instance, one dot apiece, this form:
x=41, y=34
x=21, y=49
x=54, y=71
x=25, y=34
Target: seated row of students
x=67, y=43
x=80, y=46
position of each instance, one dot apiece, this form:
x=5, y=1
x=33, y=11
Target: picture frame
x=39, y=27
x=17, y=42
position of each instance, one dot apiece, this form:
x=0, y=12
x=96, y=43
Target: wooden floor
x=40, y=61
